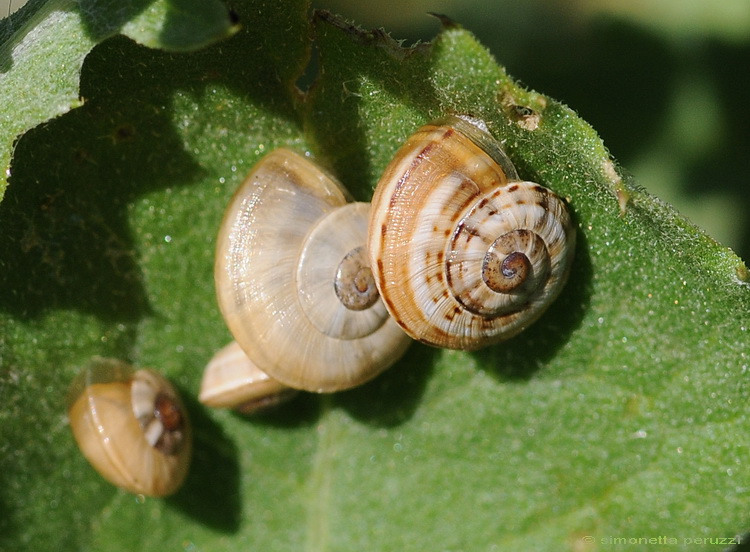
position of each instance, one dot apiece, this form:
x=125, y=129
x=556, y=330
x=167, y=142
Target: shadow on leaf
x=392, y=398
x=300, y=411
x=66, y=240
x=211, y=492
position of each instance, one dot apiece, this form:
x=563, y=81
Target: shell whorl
x=287, y=245
x=132, y=426
x=232, y=380
x=464, y=254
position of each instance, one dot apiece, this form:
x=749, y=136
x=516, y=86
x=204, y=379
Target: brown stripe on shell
x=460, y=209
x=543, y=201
x=448, y=133
x=389, y=303
x=450, y=315
x=448, y=282
x=451, y=154
x=463, y=227
x=418, y=158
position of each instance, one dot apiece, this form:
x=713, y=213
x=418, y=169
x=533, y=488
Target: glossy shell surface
x=463, y=252
x=131, y=426
x=288, y=236
x=232, y=380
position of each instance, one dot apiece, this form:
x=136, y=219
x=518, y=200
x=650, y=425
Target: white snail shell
x=232, y=380
x=463, y=253
x=293, y=280
x=131, y=426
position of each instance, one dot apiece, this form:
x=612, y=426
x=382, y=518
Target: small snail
x=293, y=280
x=231, y=380
x=131, y=426
x=463, y=253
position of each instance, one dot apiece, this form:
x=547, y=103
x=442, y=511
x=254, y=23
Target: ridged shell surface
x=287, y=238
x=463, y=253
x=232, y=380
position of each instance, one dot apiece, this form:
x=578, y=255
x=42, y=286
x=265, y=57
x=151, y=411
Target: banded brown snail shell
x=131, y=426
x=463, y=252
x=293, y=280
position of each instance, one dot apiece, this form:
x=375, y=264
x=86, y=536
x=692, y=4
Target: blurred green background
x=665, y=83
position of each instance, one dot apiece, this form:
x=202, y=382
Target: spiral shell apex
x=294, y=283
x=464, y=254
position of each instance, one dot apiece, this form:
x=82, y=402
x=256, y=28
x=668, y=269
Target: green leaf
x=42, y=48
x=729, y=21
x=620, y=414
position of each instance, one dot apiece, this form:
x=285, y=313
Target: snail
x=131, y=426
x=231, y=380
x=293, y=280
x=464, y=254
